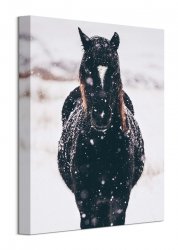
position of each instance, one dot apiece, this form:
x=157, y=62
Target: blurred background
x=52, y=69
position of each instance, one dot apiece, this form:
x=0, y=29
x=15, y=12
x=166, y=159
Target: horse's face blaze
x=100, y=75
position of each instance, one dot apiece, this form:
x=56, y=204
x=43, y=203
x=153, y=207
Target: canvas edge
x=23, y=134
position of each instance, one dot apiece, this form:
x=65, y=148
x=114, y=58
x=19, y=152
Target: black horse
x=101, y=150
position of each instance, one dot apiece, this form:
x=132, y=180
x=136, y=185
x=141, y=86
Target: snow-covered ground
x=57, y=50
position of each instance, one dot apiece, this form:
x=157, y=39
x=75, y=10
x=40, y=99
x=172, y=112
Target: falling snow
x=102, y=114
x=89, y=81
x=91, y=141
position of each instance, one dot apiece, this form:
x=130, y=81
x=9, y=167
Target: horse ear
x=115, y=40
x=85, y=39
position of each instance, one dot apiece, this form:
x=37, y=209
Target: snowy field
x=53, y=75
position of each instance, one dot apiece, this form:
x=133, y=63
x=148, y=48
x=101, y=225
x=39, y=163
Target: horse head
x=100, y=81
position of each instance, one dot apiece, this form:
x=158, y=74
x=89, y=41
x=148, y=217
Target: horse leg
x=102, y=213
x=118, y=208
x=93, y=213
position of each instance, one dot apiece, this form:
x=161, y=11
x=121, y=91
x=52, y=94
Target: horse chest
x=100, y=157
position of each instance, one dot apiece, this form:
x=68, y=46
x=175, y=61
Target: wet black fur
x=100, y=167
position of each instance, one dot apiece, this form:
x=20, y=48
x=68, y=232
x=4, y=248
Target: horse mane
x=122, y=110
x=83, y=97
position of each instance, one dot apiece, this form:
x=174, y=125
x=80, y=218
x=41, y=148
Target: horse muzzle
x=101, y=117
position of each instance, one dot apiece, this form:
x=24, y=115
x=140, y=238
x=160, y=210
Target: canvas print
x=90, y=125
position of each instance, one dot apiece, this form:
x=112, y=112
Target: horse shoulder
x=138, y=146
x=70, y=103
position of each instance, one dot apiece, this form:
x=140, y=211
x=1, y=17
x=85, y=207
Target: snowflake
x=89, y=81
x=119, y=211
x=91, y=141
x=102, y=114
